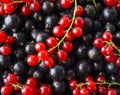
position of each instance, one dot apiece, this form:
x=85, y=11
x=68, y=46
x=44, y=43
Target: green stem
x=94, y=2
x=67, y=31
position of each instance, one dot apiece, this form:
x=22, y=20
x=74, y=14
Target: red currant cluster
x=107, y=48
x=89, y=86
x=112, y=3
x=9, y=6
x=61, y=39
x=11, y=83
x=5, y=42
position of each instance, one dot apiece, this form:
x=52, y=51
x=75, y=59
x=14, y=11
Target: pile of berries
x=59, y=47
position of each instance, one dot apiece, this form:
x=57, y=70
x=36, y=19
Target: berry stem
x=17, y=85
x=100, y=83
x=94, y=2
x=67, y=31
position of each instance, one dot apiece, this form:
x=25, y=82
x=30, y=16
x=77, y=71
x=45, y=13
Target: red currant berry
x=5, y=49
x=117, y=63
x=58, y=31
x=79, y=10
x=89, y=78
x=109, y=49
x=100, y=78
x=98, y=43
x=118, y=7
x=111, y=91
x=103, y=50
x=27, y=90
x=79, y=22
x=102, y=90
x=77, y=31
x=76, y=91
x=67, y=46
x=32, y=60
x=35, y=6
x=26, y=10
x=9, y=8
x=107, y=36
x=2, y=11
x=6, y=90
x=64, y=22
x=3, y=36
x=49, y=62
x=65, y=3
x=32, y=82
x=69, y=37
x=84, y=91
x=39, y=46
x=110, y=3
x=9, y=40
x=111, y=57
x=11, y=78
x=91, y=85
x=73, y=83
x=51, y=41
x=45, y=89
x=43, y=54
x=62, y=55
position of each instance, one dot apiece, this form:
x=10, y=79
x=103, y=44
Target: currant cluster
x=91, y=85
x=29, y=6
x=108, y=48
x=59, y=47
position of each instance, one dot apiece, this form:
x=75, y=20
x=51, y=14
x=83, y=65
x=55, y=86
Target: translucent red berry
x=49, y=62
x=35, y=6
x=32, y=60
x=3, y=36
x=77, y=31
x=110, y=3
x=91, y=85
x=73, y=83
x=98, y=43
x=6, y=90
x=62, y=55
x=107, y=36
x=32, y=82
x=5, y=49
x=11, y=78
x=9, y=8
x=40, y=46
x=65, y=3
x=43, y=54
x=79, y=22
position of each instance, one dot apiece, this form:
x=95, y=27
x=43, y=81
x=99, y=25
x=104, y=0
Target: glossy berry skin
x=9, y=40
x=84, y=91
x=6, y=1
x=32, y=82
x=49, y=62
x=64, y=22
x=98, y=43
x=89, y=78
x=79, y=10
x=51, y=41
x=45, y=89
x=43, y=54
x=107, y=36
x=62, y=55
x=102, y=90
x=76, y=91
x=3, y=36
x=79, y=22
x=40, y=46
x=27, y=90
x=5, y=50
x=11, y=78
x=67, y=46
x=9, y=8
x=32, y=60
x=100, y=78
x=58, y=31
x=25, y=10
x=77, y=31
x=6, y=90
x=103, y=50
x=110, y=3
x=73, y=83
x=111, y=92
x=117, y=63
x=65, y=3
x=110, y=57
x=91, y=85
x=35, y=6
